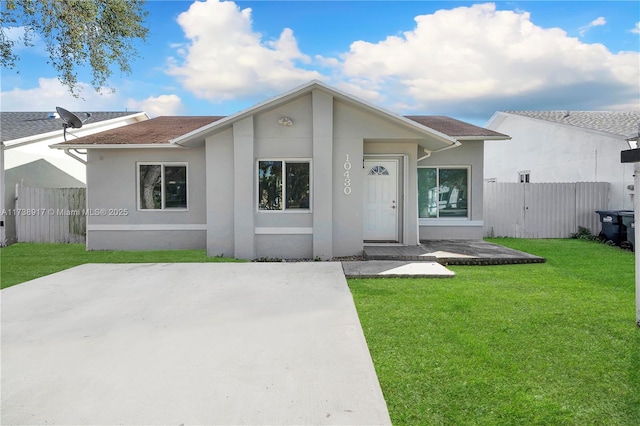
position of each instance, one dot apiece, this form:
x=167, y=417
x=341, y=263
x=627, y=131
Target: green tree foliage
x=76, y=33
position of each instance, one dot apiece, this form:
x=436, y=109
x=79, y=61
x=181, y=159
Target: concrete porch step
x=398, y=253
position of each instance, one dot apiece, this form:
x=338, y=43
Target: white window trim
x=284, y=185
x=523, y=173
x=162, y=164
x=426, y=221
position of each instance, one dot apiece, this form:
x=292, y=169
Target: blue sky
x=461, y=59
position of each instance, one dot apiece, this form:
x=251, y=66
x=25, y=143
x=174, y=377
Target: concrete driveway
x=182, y=344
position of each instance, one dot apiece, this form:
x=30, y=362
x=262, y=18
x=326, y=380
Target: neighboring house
x=40, y=174
x=312, y=173
x=24, y=140
x=564, y=146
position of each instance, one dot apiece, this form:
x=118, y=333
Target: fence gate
x=51, y=215
x=542, y=210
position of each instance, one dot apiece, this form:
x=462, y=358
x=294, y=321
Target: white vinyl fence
x=52, y=215
x=542, y=210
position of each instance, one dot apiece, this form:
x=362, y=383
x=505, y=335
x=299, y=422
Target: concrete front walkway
x=173, y=344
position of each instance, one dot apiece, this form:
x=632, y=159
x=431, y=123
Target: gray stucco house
x=311, y=173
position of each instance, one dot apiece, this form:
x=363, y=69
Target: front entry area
x=381, y=206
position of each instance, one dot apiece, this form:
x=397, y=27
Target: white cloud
x=226, y=59
x=599, y=21
x=20, y=35
x=636, y=29
x=157, y=106
x=51, y=93
x=472, y=60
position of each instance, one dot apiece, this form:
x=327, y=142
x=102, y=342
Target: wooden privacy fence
x=51, y=215
x=543, y=210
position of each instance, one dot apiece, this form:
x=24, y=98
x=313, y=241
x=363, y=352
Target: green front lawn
x=26, y=261
x=546, y=344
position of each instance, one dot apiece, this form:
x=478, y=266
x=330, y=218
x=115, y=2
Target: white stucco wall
x=554, y=152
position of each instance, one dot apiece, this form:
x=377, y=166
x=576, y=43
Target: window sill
x=463, y=221
x=164, y=210
x=301, y=211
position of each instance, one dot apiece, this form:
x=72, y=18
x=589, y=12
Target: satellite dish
x=70, y=120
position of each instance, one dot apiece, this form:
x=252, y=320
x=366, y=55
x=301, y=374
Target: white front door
x=380, y=215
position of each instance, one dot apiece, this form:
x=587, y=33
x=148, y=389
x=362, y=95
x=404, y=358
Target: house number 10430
x=347, y=175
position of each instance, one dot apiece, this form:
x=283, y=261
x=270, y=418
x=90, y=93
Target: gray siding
x=112, y=184
x=469, y=154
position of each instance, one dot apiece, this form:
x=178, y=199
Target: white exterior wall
x=554, y=152
x=112, y=186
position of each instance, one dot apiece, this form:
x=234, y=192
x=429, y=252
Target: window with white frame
x=443, y=192
x=162, y=186
x=524, y=176
x=283, y=185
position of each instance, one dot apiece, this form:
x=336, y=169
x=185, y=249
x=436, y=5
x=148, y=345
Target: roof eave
x=14, y=143
x=485, y=138
x=117, y=146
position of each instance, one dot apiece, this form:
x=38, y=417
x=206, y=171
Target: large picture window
x=443, y=192
x=283, y=185
x=162, y=186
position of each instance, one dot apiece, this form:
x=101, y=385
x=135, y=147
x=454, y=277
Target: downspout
x=428, y=153
x=74, y=156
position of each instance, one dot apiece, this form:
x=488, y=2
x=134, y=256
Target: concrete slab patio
x=451, y=252
x=173, y=344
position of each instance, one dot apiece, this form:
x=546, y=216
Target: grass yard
x=547, y=344
x=25, y=261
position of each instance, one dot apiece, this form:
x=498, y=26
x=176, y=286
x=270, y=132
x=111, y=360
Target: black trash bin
x=612, y=227
x=628, y=221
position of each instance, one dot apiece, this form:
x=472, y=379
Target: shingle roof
x=452, y=127
x=17, y=125
x=157, y=130
x=621, y=123
x=162, y=129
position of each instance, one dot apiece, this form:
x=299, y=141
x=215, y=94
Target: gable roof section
x=180, y=131
x=19, y=125
x=198, y=134
x=456, y=128
x=624, y=124
x=156, y=131
x=159, y=131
